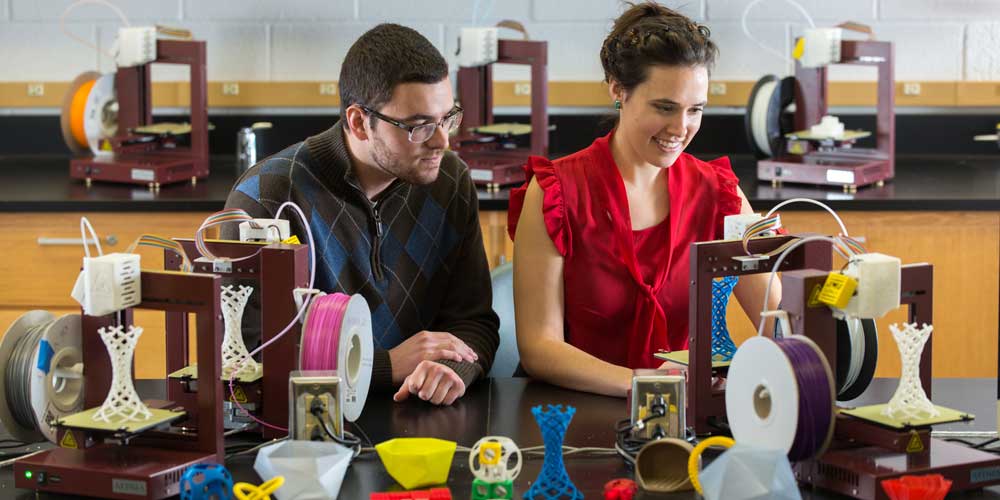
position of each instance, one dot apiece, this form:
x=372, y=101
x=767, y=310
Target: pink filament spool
x=337, y=335
x=321, y=333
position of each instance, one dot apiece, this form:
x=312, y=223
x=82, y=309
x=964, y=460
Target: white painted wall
x=288, y=40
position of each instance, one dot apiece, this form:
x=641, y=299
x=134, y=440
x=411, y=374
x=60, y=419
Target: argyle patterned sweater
x=414, y=252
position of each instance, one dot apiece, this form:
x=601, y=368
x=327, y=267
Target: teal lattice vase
x=553, y=482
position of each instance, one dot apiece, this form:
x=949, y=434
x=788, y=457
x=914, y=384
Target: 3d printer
x=110, y=119
x=128, y=458
x=494, y=159
x=863, y=448
x=793, y=152
x=129, y=448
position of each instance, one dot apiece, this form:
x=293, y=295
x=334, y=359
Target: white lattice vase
x=234, y=352
x=123, y=403
x=910, y=400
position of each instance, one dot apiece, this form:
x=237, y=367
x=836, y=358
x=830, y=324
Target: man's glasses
x=423, y=132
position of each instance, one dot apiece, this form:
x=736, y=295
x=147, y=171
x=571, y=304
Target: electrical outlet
x=911, y=88
x=313, y=423
x=328, y=89
x=522, y=88
x=651, y=388
x=717, y=88
x=36, y=89
x=230, y=88
x=309, y=389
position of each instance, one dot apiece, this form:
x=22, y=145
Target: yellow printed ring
x=695, y=458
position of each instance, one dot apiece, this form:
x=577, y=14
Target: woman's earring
x=618, y=104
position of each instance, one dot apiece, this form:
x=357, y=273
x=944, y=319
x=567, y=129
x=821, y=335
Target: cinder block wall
x=305, y=40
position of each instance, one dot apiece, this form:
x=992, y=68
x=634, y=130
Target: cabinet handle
x=110, y=240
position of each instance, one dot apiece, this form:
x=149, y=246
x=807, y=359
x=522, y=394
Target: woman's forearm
x=564, y=365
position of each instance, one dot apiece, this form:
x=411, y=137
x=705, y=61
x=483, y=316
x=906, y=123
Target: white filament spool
x=760, y=107
x=356, y=356
x=763, y=399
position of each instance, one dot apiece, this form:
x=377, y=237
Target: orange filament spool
x=73, y=108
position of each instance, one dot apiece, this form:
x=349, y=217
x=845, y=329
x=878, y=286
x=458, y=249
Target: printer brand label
x=142, y=174
x=128, y=487
x=841, y=176
x=985, y=474
x=480, y=175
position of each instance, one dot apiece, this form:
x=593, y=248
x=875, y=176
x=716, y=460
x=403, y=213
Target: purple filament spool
x=815, y=398
x=780, y=395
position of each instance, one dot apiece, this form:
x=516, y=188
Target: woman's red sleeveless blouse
x=626, y=292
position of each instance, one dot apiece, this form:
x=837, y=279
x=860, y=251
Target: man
x=394, y=216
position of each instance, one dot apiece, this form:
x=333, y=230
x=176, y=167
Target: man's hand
x=432, y=382
x=427, y=346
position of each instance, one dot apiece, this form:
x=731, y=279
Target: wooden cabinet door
x=38, y=274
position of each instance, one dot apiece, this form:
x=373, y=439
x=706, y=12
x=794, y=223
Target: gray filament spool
x=41, y=377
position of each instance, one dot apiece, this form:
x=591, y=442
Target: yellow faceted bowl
x=417, y=462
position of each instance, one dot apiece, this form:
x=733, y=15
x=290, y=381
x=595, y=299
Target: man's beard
x=389, y=163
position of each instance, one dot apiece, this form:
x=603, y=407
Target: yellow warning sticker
x=238, y=395
x=291, y=240
x=915, y=445
x=68, y=441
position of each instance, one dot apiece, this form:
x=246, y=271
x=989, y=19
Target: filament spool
x=764, y=121
x=780, y=395
x=73, y=107
x=41, y=374
x=337, y=335
x=857, y=355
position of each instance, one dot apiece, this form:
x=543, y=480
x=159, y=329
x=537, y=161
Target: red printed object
x=431, y=494
x=619, y=489
x=929, y=487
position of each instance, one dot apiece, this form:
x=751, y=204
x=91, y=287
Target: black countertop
x=502, y=407
x=42, y=184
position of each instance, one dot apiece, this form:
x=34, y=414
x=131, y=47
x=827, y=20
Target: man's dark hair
x=385, y=56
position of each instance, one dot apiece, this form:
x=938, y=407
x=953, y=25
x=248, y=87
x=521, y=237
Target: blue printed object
x=723, y=347
x=553, y=482
x=206, y=482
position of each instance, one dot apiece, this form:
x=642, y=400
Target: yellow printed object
x=291, y=240
x=417, y=462
x=248, y=491
x=490, y=453
x=696, y=456
x=837, y=290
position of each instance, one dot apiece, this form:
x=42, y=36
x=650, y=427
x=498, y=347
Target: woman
x=601, y=237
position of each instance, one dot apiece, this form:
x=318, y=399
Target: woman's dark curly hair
x=648, y=34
